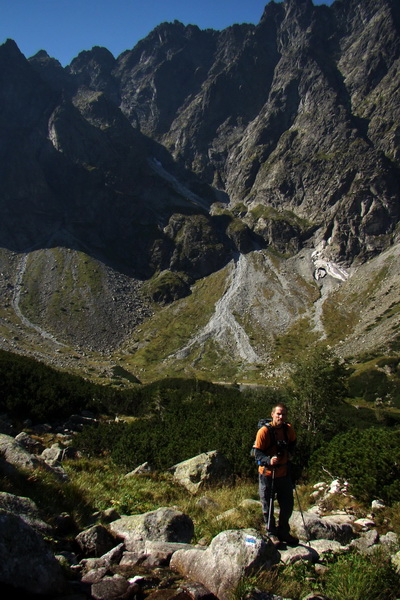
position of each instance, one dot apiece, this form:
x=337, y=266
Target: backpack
x=271, y=429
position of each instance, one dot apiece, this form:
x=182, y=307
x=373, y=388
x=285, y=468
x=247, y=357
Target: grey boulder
x=26, y=509
x=95, y=541
x=321, y=528
x=203, y=470
x=25, y=561
x=165, y=524
x=232, y=554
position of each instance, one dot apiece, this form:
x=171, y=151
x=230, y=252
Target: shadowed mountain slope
x=256, y=166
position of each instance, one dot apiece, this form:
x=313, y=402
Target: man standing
x=273, y=446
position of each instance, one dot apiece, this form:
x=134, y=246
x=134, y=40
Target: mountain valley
x=208, y=204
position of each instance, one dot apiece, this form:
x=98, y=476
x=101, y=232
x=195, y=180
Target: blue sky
x=65, y=27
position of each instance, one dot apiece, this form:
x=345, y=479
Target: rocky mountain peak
x=50, y=70
x=92, y=69
x=42, y=56
x=10, y=48
x=97, y=57
x=272, y=10
x=298, y=8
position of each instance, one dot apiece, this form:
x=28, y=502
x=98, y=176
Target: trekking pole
x=301, y=512
x=271, y=499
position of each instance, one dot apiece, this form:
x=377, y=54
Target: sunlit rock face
x=297, y=114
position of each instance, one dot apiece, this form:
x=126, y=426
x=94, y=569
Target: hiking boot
x=290, y=540
x=275, y=540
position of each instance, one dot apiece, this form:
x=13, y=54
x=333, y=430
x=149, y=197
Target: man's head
x=279, y=414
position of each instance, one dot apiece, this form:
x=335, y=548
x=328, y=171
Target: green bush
x=317, y=390
x=180, y=420
x=369, y=384
x=167, y=286
x=369, y=460
x=31, y=389
x=357, y=577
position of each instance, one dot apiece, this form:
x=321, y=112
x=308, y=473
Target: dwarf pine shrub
x=30, y=389
x=178, y=423
x=369, y=460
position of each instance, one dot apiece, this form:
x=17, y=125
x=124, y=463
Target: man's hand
x=274, y=460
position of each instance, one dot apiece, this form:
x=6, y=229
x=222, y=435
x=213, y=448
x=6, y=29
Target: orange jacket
x=263, y=443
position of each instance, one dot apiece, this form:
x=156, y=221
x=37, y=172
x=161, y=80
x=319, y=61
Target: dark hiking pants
x=282, y=489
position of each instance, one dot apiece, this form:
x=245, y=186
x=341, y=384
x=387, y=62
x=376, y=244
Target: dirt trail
x=16, y=304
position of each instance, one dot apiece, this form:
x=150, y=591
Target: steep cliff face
x=322, y=164
x=187, y=153
x=75, y=173
x=298, y=113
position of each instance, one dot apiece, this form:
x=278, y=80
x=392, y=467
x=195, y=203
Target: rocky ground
x=151, y=555
x=67, y=320
x=268, y=306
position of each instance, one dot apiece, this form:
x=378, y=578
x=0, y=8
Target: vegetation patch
x=339, y=319
x=357, y=577
x=179, y=425
x=310, y=289
x=348, y=577
x=31, y=292
x=167, y=286
x=172, y=327
x=394, y=344
x=217, y=361
x=375, y=282
x=348, y=456
x=121, y=373
x=393, y=309
x=262, y=211
x=376, y=380
x=297, y=340
x=112, y=489
x=39, y=392
x=59, y=282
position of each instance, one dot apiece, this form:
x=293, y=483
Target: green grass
x=339, y=320
x=120, y=373
x=73, y=279
x=269, y=213
x=394, y=344
x=356, y=577
x=393, y=310
x=166, y=286
x=102, y=485
x=378, y=377
x=171, y=328
x=98, y=484
x=215, y=362
x=292, y=581
x=349, y=577
x=299, y=338
x=51, y=496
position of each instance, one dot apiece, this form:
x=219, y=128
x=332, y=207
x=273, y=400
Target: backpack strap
x=272, y=436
